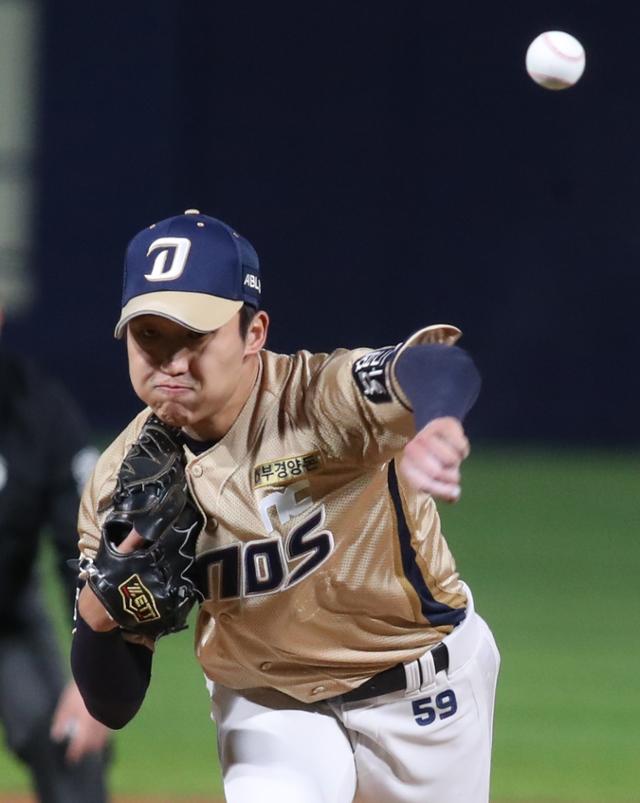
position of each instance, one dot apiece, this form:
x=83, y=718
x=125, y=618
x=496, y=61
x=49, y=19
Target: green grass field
x=550, y=544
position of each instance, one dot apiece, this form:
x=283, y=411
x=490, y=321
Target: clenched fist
x=431, y=460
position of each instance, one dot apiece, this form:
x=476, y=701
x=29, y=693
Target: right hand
x=431, y=460
x=89, y=606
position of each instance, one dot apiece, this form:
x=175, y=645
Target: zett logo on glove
x=138, y=600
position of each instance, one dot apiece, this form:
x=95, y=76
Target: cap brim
x=197, y=311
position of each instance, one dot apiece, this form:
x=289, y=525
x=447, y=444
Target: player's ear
x=256, y=333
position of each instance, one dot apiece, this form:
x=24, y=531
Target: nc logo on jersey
x=293, y=501
x=171, y=250
x=138, y=600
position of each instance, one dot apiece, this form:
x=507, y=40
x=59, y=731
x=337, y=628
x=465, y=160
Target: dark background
x=393, y=165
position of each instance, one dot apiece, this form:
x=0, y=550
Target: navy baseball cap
x=192, y=269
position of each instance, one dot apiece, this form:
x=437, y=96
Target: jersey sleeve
x=356, y=403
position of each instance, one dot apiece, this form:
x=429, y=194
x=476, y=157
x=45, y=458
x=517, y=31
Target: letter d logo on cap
x=180, y=246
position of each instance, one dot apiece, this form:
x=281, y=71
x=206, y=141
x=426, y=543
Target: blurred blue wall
x=392, y=163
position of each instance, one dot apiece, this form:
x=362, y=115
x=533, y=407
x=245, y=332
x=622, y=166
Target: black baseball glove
x=149, y=591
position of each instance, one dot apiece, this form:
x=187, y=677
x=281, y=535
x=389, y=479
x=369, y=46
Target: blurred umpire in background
x=44, y=460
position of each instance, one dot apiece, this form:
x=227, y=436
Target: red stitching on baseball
x=558, y=52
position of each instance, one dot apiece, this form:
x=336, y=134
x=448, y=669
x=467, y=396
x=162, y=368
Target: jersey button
x=266, y=666
x=318, y=690
x=197, y=471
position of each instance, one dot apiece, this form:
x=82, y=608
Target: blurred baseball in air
x=555, y=60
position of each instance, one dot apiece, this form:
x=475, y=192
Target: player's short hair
x=247, y=314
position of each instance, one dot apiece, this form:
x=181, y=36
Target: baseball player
x=342, y=651
x=45, y=457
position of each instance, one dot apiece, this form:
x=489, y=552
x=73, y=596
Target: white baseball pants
x=427, y=744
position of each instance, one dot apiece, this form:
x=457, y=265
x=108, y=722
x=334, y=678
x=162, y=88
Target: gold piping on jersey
x=286, y=470
x=441, y=333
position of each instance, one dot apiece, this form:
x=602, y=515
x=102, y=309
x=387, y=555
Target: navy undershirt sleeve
x=112, y=674
x=438, y=381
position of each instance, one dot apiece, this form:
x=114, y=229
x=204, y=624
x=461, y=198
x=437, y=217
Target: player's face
x=199, y=382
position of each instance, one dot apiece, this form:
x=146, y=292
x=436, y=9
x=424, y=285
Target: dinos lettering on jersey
x=370, y=374
x=276, y=563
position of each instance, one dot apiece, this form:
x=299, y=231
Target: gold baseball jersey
x=319, y=566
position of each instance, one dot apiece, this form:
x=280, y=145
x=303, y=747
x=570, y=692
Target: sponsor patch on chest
x=286, y=470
